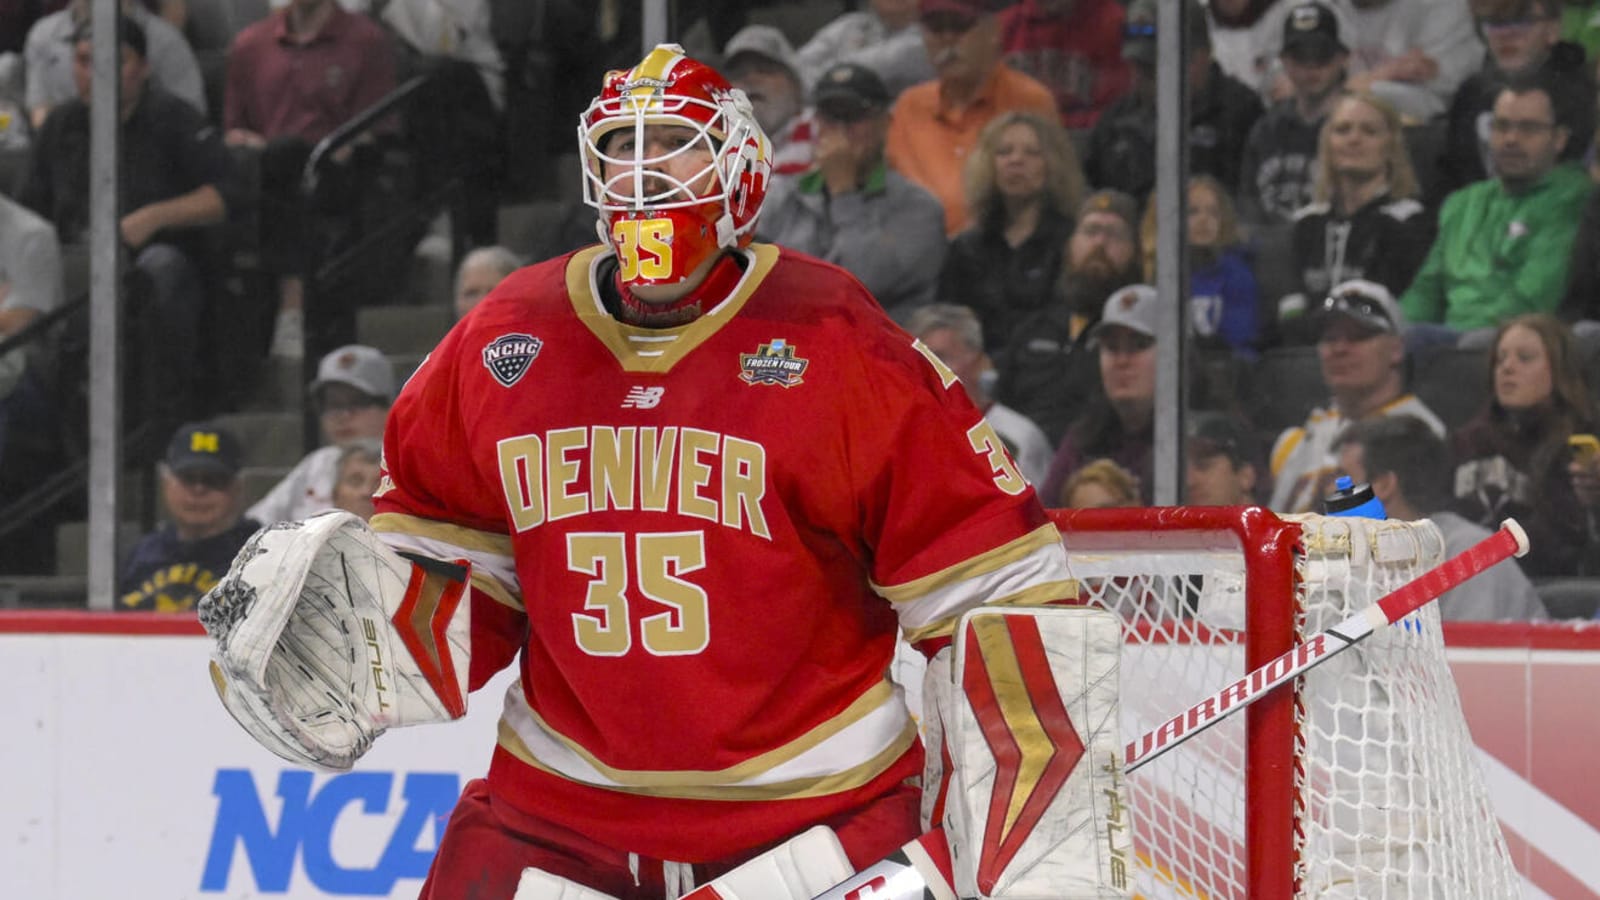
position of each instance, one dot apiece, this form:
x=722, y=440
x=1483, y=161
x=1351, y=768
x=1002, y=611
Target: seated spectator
x=451, y=29
x=1399, y=457
x=1365, y=221
x=292, y=79
x=953, y=334
x=481, y=270
x=1100, y=484
x=1246, y=40
x=1023, y=186
x=1073, y=47
x=1279, y=167
x=30, y=286
x=356, y=475
x=52, y=41
x=760, y=61
x=934, y=126
x=354, y=387
x=1222, y=465
x=1512, y=458
x=1412, y=53
x=176, y=178
x=850, y=208
x=1224, y=299
x=1524, y=37
x=1122, y=145
x=1118, y=421
x=1580, y=303
x=884, y=37
x=1363, y=359
x=1503, y=243
x=1047, y=371
x=1580, y=24
x=171, y=568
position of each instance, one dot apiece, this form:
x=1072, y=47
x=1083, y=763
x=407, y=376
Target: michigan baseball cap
x=364, y=368
x=1367, y=302
x=970, y=10
x=1312, y=30
x=201, y=447
x=1133, y=307
x=849, y=91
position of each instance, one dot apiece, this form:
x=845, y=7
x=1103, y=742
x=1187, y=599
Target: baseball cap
x=1139, y=30
x=1367, y=302
x=364, y=368
x=1132, y=307
x=848, y=91
x=761, y=40
x=1312, y=30
x=201, y=447
x=1110, y=200
x=1212, y=433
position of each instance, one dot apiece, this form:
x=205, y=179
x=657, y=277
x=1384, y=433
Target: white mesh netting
x=1364, y=783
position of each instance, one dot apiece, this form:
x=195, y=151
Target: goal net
x=1359, y=780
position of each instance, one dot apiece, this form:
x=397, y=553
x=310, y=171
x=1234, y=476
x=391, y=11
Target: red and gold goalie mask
x=675, y=163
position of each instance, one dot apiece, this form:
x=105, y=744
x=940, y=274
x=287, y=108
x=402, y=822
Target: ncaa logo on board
x=508, y=356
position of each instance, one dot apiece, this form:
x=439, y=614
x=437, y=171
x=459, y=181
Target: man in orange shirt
x=935, y=124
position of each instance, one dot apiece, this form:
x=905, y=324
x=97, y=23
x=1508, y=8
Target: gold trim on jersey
x=494, y=568
x=887, y=738
x=656, y=350
x=1029, y=571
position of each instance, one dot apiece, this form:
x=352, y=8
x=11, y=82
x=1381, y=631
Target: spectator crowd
x=1392, y=237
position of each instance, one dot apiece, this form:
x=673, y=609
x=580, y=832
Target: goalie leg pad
x=325, y=638
x=1027, y=704
x=797, y=869
x=537, y=884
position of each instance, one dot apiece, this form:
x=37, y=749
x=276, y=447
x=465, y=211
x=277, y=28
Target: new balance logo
x=643, y=397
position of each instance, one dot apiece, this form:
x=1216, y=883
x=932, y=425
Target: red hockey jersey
x=704, y=541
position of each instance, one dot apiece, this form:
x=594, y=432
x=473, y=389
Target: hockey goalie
x=695, y=489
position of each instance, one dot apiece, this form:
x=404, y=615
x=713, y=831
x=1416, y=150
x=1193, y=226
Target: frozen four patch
x=773, y=363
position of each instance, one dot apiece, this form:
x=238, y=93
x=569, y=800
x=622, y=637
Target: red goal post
x=1359, y=779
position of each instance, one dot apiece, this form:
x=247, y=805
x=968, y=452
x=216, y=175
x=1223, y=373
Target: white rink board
x=113, y=750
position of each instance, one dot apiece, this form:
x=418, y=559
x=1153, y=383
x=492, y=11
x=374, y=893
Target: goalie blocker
x=326, y=637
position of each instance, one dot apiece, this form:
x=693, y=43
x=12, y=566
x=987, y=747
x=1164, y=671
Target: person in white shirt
x=354, y=387
x=1363, y=365
x=952, y=333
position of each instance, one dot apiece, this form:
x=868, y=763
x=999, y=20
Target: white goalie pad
x=1026, y=705
x=797, y=869
x=325, y=638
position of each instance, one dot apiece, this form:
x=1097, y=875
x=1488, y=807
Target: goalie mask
x=675, y=163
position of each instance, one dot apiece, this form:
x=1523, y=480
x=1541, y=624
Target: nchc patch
x=507, y=357
x=773, y=363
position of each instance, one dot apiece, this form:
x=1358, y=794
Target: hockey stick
x=908, y=873
x=1510, y=540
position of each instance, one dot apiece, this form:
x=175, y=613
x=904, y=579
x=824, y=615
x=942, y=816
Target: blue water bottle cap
x=1351, y=499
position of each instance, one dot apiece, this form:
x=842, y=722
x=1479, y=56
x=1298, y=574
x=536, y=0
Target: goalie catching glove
x=326, y=637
